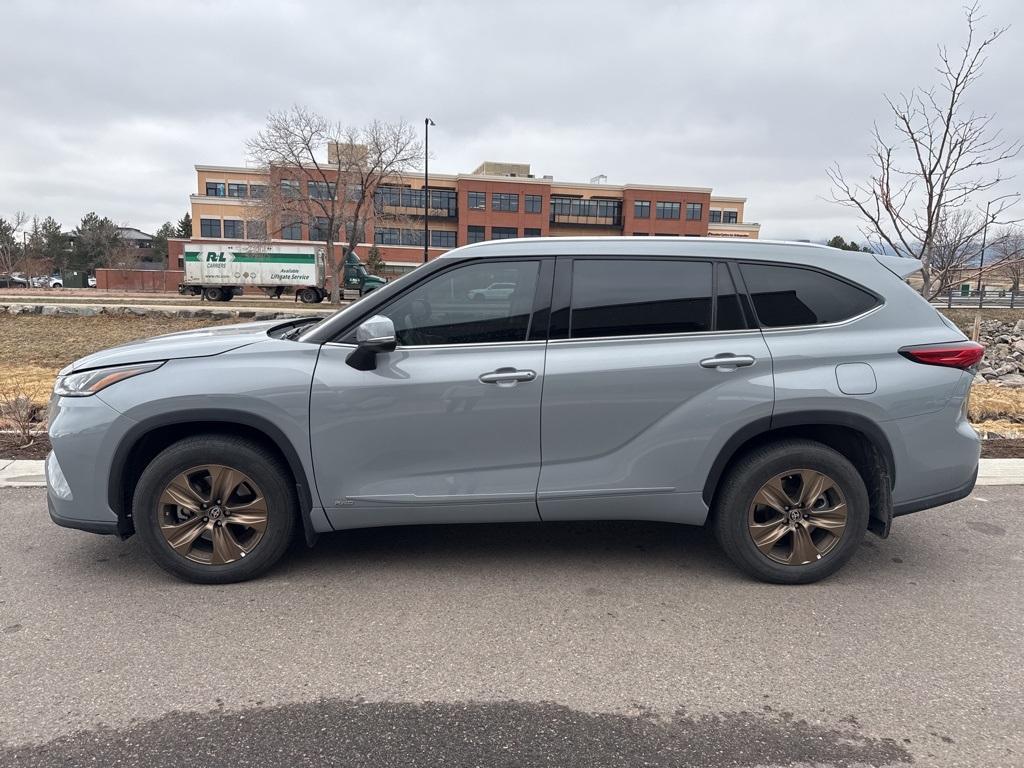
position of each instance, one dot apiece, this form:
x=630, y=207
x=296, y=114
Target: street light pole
x=427, y=122
x=981, y=265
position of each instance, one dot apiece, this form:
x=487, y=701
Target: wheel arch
x=856, y=437
x=150, y=436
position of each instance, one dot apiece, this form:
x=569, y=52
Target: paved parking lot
x=576, y=644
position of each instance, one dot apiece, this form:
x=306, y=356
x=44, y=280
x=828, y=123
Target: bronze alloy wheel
x=797, y=517
x=212, y=514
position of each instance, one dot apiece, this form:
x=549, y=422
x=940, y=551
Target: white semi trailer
x=218, y=271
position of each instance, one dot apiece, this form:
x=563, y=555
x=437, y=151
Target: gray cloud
x=107, y=106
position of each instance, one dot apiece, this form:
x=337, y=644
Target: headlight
x=90, y=382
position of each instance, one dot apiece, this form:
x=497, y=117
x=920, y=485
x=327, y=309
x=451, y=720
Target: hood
x=202, y=342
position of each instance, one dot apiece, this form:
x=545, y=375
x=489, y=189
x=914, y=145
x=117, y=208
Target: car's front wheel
x=791, y=512
x=215, y=509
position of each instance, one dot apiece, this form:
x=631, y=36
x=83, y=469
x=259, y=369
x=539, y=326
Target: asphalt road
x=562, y=645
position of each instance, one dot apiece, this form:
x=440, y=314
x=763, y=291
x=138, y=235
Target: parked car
x=788, y=395
x=13, y=281
x=493, y=291
x=51, y=281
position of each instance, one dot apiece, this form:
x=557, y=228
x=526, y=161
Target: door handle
x=507, y=376
x=727, y=361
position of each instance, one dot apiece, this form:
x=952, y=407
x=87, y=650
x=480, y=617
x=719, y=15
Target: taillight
x=961, y=354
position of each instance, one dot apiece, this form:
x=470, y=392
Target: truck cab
x=358, y=277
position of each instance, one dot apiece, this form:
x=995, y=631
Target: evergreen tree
x=158, y=251
x=96, y=238
x=184, y=226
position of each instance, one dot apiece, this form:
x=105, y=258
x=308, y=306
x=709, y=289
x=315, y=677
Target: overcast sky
x=108, y=106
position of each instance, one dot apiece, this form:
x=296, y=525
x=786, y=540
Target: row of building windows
x=723, y=217
x=404, y=197
x=578, y=206
x=232, y=229
x=504, y=201
x=439, y=238
x=235, y=189
x=477, y=234
x=667, y=210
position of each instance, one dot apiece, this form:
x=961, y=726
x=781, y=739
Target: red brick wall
x=155, y=280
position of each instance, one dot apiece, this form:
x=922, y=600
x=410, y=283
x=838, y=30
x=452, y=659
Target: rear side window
x=634, y=297
x=785, y=296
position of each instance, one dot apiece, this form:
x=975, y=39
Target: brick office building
x=496, y=201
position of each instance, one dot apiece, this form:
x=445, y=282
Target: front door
x=648, y=374
x=447, y=427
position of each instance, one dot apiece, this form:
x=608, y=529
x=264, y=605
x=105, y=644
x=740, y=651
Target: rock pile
x=1003, y=363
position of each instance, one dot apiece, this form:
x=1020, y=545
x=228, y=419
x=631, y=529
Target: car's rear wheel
x=215, y=509
x=791, y=512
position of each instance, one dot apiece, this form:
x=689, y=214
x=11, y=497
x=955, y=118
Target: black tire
x=729, y=517
x=254, y=461
x=228, y=295
x=212, y=294
x=310, y=296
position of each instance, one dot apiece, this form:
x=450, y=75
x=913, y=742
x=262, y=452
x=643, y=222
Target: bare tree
x=10, y=248
x=1009, y=255
x=124, y=258
x=944, y=158
x=323, y=174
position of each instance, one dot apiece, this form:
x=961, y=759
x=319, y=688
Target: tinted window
x=792, y=296
x=615, y=298
x=473, y=304
x=728, y=315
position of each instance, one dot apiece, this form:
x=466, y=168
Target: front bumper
x=84, y=432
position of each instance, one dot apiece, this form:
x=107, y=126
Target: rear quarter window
x=787, y=296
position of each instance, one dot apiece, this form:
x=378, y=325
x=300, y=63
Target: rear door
x=447, y=427
x=652, y=365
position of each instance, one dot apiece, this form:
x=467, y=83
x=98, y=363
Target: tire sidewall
x=747, y=479
x=264, y=470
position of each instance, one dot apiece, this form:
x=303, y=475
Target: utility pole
x=427, y=122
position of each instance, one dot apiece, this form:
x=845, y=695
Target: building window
x=320, y=190
x=504, y=233
x=354, y=193
x=534, y=203
x=291, y=230
x=318, y=228
x=257, y=191
x=256, y=229
x=641, y=209
x=505, y=201
x=477, y=201
x=694, y=211
x=475, y=234
x=665, y=210
x=412, y=237
x=387, y=236
x=531, y=232
x=209, y=227
x=442, y=238
x=238, y=190
x=601, y=210
x=234, y=229
x=639, y=234
x=289, y=188
x=729, y=217
x=715, y=217
x=215, y=189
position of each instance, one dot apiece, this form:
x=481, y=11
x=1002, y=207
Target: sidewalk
x=27, y=473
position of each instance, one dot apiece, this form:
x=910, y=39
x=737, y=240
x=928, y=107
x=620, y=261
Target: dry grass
x=989, y=403
x=35, y=347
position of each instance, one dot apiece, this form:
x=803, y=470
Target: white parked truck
x=218, y=271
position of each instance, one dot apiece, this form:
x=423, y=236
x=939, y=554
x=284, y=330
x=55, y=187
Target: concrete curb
x=28, y=473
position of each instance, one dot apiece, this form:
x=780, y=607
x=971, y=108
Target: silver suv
x=791, y=396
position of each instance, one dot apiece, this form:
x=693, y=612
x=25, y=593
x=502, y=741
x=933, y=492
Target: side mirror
x=372, y=337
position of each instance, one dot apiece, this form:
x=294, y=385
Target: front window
x=489, y=302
